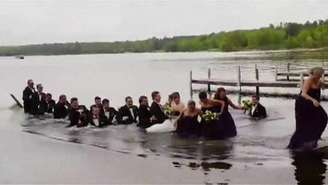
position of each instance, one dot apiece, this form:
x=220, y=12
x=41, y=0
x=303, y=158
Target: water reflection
x=309, y=168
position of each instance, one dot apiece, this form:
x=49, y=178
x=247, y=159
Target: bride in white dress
x=172, y=109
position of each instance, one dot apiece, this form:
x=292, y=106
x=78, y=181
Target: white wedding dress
x=168, y=125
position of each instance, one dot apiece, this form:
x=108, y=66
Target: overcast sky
x=44, y=21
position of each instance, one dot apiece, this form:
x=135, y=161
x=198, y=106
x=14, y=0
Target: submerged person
x=39, y=104
x=212, y=129
x=61, y=108
x=226, y=118
x=156, y=109
x=258, y=111
x=188, y=124
x=97, y=119
x=50, y=103
x=79, y=114
x=144, y=114
x=128, y=113
x=28, y=95
x=311, y=118
x=108, y=112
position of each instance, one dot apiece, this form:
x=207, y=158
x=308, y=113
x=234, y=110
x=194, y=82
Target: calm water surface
x=256, y=155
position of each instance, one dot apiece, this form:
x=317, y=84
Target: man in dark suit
x=61, y=108
x=39, y=104
x=50, y=103
x=156, y=108
x=258, y=111
x=27, y=96
x=145, y=116
x=98, y=104
x=79, y=115
x=128, y=113
x=109, y=112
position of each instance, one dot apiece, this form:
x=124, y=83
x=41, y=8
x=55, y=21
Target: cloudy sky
x=44, y=21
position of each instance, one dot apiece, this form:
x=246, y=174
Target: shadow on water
x=309, y=168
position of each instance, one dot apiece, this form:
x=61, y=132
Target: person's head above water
x=202, y=96
x=105, y=102
x=143, y=100
x=97, y=100
x=255, y=99
x=317, y=72
x=156, y=96
x=30, y=83
x=62, y=98
x=74, y=103
x=39, y=87
x=129, y=101
x=191, y=105
x=220, y=93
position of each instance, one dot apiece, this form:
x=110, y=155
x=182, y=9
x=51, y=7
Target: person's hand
x=316, y=103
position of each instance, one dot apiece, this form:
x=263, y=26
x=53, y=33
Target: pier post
x=288, y=70
x=190, y=85
x=257, y=80
x=209, y=78
x=239, y=85
x=301, y=81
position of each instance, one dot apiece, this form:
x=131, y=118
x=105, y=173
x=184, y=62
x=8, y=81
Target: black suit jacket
x=39, y=106
x=50, y=106
x=259, y=112
x=79, y=119
x=102, y=121
x=112, y=114
x=144, y=116
x=60, y=111
x=27, y=98
x=125, y=112
x=158, y=113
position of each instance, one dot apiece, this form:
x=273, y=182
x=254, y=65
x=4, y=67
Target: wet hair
x=141, y=98
x=154, y=94
x=62, y=96
x=39, y=85
x=127, y=98
x=191, y=102
x=175, y=95
x=73, y=99
x=218, y=92
x=105, y=101
x=50, y=95
x=316, y=70
x=202, y=95
x=97, y=98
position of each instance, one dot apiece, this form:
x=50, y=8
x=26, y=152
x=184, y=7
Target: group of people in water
x=186, y=120
x=212, y=120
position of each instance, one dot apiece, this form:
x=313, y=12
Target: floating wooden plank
x=16, y=100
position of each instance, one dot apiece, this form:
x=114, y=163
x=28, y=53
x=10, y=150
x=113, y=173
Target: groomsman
x=79, y=114
x=128, y=113
x=27, y=96
x=145, y=115
x=258, y=111
x=156, y=108
x=97, y=103
x=50, y=103
x=39, y=104
x=109, y=112
x=61, y=108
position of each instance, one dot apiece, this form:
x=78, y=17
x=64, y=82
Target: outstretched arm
x=233, y=105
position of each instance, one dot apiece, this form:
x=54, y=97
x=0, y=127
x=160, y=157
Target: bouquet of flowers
x=247, y=105
x=168, y=110
x=210, y=116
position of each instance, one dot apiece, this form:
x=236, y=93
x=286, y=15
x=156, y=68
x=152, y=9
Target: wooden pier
x=284, y=80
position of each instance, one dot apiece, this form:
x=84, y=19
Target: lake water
x=44, y=151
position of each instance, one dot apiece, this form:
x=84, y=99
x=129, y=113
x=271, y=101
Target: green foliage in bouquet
x=247, y=105
x=210, y=116
x=168, y=110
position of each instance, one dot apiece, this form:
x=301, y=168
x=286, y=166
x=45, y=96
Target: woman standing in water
x=213, y=129
x=311, y=118
x=226, y=118
x=188, y=124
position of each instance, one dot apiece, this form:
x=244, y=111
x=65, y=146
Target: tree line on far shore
x=283, y=36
